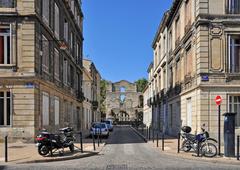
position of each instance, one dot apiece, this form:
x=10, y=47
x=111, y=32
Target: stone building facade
x=40, y=66
x=196, y=57
x=123, y=101
x=91, y=82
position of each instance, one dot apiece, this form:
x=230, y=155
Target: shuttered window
x=189, y=61
x=45, y=108
x=56, y=20
x=45, y=54
x=45, y=11
x=56, y=64
x=56, y=110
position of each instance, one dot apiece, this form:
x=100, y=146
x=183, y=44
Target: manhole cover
x=117, y=167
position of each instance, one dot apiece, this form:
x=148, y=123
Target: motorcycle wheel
x=71, y=148
x=209, y=150
x=43, y=150
x=186, y=146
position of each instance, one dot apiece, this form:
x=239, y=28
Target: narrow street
x=126, y=150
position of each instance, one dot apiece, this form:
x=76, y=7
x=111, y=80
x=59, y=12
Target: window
x=65, y=71
x=66, y=30
x=233, y=7
x=177, y=31
x=78, y=56
x=71, y=41
x=189, y=61
x=7, y=3
x=45, y=11
x=5, y=45
x=234, y=53
x=5, y=108
x=178, y=71
x=56, y=110
x=159, y=52
x=72, y=6
x=71, y=76
x=56, y=21
x=171, y=77
x=234, y=106
x=78, y=85
x=45, y=108
x=56, y=64
x=45, y=54
x=170, y=41
x=188, y=12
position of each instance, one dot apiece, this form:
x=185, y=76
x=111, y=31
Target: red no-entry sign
x=218, y=100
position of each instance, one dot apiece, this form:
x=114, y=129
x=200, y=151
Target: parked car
x=109, y=124
x=99, y=128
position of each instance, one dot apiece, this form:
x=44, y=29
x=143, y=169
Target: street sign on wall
x=218, y=100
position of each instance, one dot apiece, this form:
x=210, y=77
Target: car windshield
x=107, y=122
x=99, y=125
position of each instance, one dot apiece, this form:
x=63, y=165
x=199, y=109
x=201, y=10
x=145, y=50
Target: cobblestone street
x=126, y=150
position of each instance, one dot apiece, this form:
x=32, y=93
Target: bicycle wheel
x=209, y=150
x=186, y=146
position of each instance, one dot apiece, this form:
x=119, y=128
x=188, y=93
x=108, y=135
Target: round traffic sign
x=218, y=100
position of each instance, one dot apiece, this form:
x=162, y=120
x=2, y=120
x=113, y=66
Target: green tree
x=103, y=87
x=141, y=84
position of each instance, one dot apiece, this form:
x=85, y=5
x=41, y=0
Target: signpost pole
x=218, y=101
x=219, y=130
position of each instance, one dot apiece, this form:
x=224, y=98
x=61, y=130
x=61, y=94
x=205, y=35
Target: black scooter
x=47, y=141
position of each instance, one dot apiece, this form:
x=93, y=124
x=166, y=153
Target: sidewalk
x=28, y=153
x=170, y=148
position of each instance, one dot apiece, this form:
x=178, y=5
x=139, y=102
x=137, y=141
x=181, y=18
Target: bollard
x=153, y=135
x=238, y=147
x=51, y=145
x=149, y=133
x=81, y=142
x=163, y=141
x=94, y=147
x=98, y=139
x=157, y=139
x=6, y=148
x=198, y=149
x=178, y=147
x=100, y=135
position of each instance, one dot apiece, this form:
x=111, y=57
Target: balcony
x=95, y=105
x=178, y=88
x=7, y=3
x=80, y=96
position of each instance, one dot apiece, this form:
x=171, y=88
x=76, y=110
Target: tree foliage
x=141, y=84
x=103, y=87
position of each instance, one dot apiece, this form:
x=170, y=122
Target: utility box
x=229, y=134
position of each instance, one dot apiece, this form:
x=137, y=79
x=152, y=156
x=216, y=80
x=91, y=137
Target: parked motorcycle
x=207, y=145
x=47, y=141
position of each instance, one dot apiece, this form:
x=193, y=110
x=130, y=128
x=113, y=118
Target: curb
x=61, y=159
x=139, y=134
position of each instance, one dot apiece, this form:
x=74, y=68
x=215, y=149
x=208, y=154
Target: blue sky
x=118, y=35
